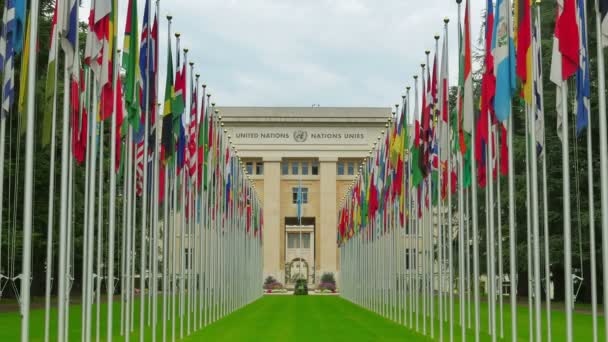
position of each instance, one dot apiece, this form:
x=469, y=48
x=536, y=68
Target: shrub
x=268, y=282
x=328, y=278
x=301, y=287
x=327, y=286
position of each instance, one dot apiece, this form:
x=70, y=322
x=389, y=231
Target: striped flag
x=583, y=87
x=603, y=7
x=67, y=23
x=167, y=136
x=504, y=60
x=565, y=55
x=192, y=132
x=524, y=52
x=51, y=83
x=467, y=113
x=538, y=89
x=7, y=57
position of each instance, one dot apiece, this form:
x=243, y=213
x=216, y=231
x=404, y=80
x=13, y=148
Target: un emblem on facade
x=300, y=136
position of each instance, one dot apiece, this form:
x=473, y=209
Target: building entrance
x=299, y=250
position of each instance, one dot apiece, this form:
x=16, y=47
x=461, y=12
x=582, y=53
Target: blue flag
x=504, y=60
x=583, y=90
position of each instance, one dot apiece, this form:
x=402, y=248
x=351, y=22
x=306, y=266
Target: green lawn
x=302, y=318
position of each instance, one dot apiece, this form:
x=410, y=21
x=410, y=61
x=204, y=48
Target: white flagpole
x=603, y=155
x=461, y=228
x=112, y=206
x=29, y=175
x=144, y=196
x=535, y=219
x=591, y=208
x=51, y=208
x=99, y=237
x=566, y=213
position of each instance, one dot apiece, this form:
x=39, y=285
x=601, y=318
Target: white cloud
x=296, y=53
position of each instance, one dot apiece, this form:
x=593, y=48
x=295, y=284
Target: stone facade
x=319, y=148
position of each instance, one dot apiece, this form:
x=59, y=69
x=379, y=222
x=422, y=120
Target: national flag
x=168, y=140
x=583, y=87
x=67, y=22
x=444, y=129
x=120, y=114
x=538, y=89
x=7, y=56
x=51, y=83
x=565, y=54
x=467, y=114
x=603, y=8
x=23, y=78
x=192, y=132
x=79, y=118
x=20, y=23
x=523, y=14
x=148, y=67
x=130, y=63
x=504, y=60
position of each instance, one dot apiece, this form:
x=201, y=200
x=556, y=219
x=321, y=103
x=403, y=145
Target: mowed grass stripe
x=304, y=318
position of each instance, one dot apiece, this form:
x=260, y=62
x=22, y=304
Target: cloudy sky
x=299, y=53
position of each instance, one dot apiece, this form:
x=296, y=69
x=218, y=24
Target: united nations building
x=317, y=150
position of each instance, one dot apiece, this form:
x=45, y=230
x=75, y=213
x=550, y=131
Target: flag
x=120, y=114
x=192, y=132
x=51, y=83
x=167, y=137
x=524, y=52
x=148, y=68
x=538, y=89
x=299, y=201
x=565, y=56
x=130, y=63
x=79, y=118
x=504, y=60
x=23, y=78
x=67, y=23
x=488, y=93
x=20, y=23
x=603, y=7
x=583, y=87
x=7, y=56
x=467, y=115
x=444, y=129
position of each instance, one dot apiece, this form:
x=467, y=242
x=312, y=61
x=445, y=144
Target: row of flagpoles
x=409, y=225
x=189, y=243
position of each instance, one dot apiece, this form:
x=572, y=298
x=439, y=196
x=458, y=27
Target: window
x=293, y=240
x=351, y=168
x=306, y=240
x=259, y=168
x=340, y=168
x=305, y=168
x=249, y=167
x=294, y=195
x=284, y=168
x=315, y=168
x=295, y=167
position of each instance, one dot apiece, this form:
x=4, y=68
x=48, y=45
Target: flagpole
x=475, y=239
x=29, y=175
x=591, y=207
x=51, y=203
x=144, y=197
x=603, y=154
x=460, y=220
x=566, y=213
x=112, y=213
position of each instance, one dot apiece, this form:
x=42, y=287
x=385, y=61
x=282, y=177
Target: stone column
x=272, y=221
x=328, y=212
